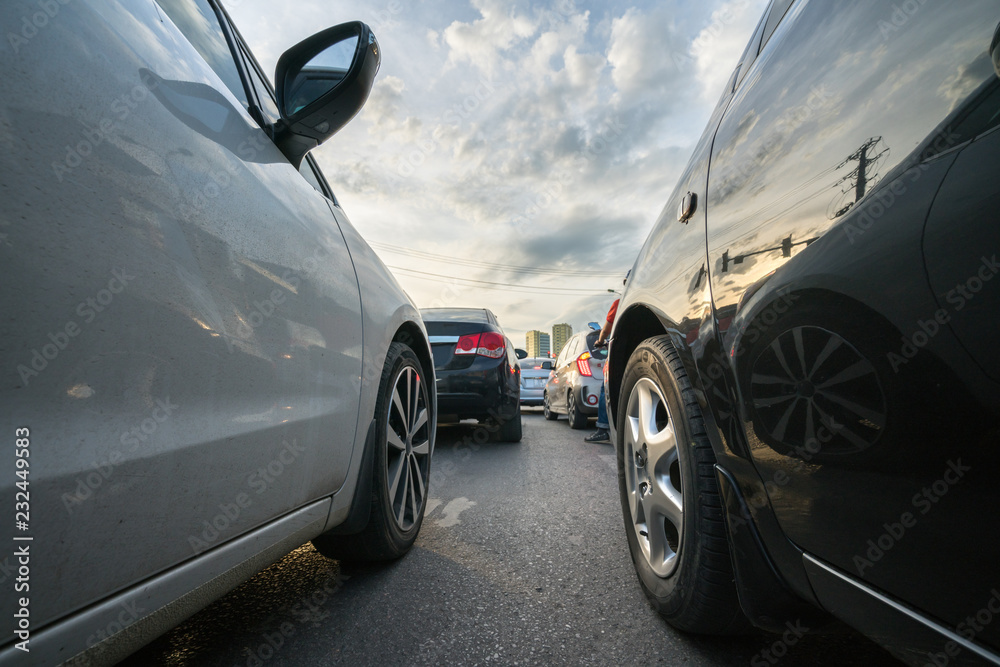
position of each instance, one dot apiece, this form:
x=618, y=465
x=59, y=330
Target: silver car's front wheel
x=653, y=477
x=408, y=448
x=400, y=447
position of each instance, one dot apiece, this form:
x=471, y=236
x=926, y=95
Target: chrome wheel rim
x=571, y=407
x=545, y=406
x=407, y=448
x=653, y=477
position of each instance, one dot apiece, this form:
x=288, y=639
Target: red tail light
x=467, y=344
x=583, y=364
x=489, y=344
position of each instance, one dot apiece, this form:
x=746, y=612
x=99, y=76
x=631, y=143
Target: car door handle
x=688, y=207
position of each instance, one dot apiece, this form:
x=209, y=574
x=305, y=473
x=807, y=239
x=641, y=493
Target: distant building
x=560, y=334
x=538, y=344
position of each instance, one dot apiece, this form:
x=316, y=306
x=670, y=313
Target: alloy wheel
x=653, y=477
x=408, y=444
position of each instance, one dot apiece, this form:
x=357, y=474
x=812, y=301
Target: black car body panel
x=834, y=298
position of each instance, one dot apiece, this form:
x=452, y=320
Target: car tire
x=401, y=466
x=547, y=410
x=509, y=429
x=577, y=419
x=673, y=514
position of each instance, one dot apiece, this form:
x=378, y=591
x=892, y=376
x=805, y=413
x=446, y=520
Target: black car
x=478, y=376
x=804, y=378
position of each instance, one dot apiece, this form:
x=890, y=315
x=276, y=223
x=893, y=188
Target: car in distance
x=805, y=370
x=204, y=365
x=477, y=370
x=574, y=386
x=534, y=376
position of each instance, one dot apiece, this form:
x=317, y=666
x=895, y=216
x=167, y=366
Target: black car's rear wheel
x=401, y=467
x=669, y=495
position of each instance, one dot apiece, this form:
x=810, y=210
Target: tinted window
x=265, y=99
x=750, y=55
x=778, y=11
x=982, y=115
x=199, y=23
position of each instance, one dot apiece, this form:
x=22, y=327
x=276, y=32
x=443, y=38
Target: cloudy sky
x=513, y=154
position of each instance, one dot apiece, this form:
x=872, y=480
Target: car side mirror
x=521, y=354
x=321, y=84
x=594, y=326
x=995, y=50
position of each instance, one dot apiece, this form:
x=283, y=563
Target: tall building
x=560, y=334
x=538, y=344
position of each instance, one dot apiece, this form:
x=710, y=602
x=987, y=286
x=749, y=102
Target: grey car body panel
x=150, y=609
x=185, y=310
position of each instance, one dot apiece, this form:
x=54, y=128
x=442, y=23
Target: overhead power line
x=530, y=289
x=500, y=267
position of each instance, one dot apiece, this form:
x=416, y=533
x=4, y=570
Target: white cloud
x=720, y=44
x=544, y=134
x=483, y=41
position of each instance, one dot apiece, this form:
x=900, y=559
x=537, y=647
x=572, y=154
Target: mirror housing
x=594, y=326
x=302, y=129
x=521, y=354
x=995, y=50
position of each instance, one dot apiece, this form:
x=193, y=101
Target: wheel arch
x=632, y=327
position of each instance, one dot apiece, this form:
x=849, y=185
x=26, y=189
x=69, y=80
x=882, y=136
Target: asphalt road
x=521, y=560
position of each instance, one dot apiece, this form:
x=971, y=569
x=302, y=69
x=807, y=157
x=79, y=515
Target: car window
x=981, y=116
x=306, y=169
x=778, y=11
x=750, y=55
x=265, y=97
x=200, y=24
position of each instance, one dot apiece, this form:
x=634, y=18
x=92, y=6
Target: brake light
x=489, y=344
x=467, y=344
x=583, y=364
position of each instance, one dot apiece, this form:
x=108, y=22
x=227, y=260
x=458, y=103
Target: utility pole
x=861, y=176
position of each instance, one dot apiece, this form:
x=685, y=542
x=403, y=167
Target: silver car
x=574, y=387
x=534, y=376
x=204, y=365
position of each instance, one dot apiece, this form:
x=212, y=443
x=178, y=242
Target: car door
x=565, y=371
x=191, y=316
x=823, y=172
